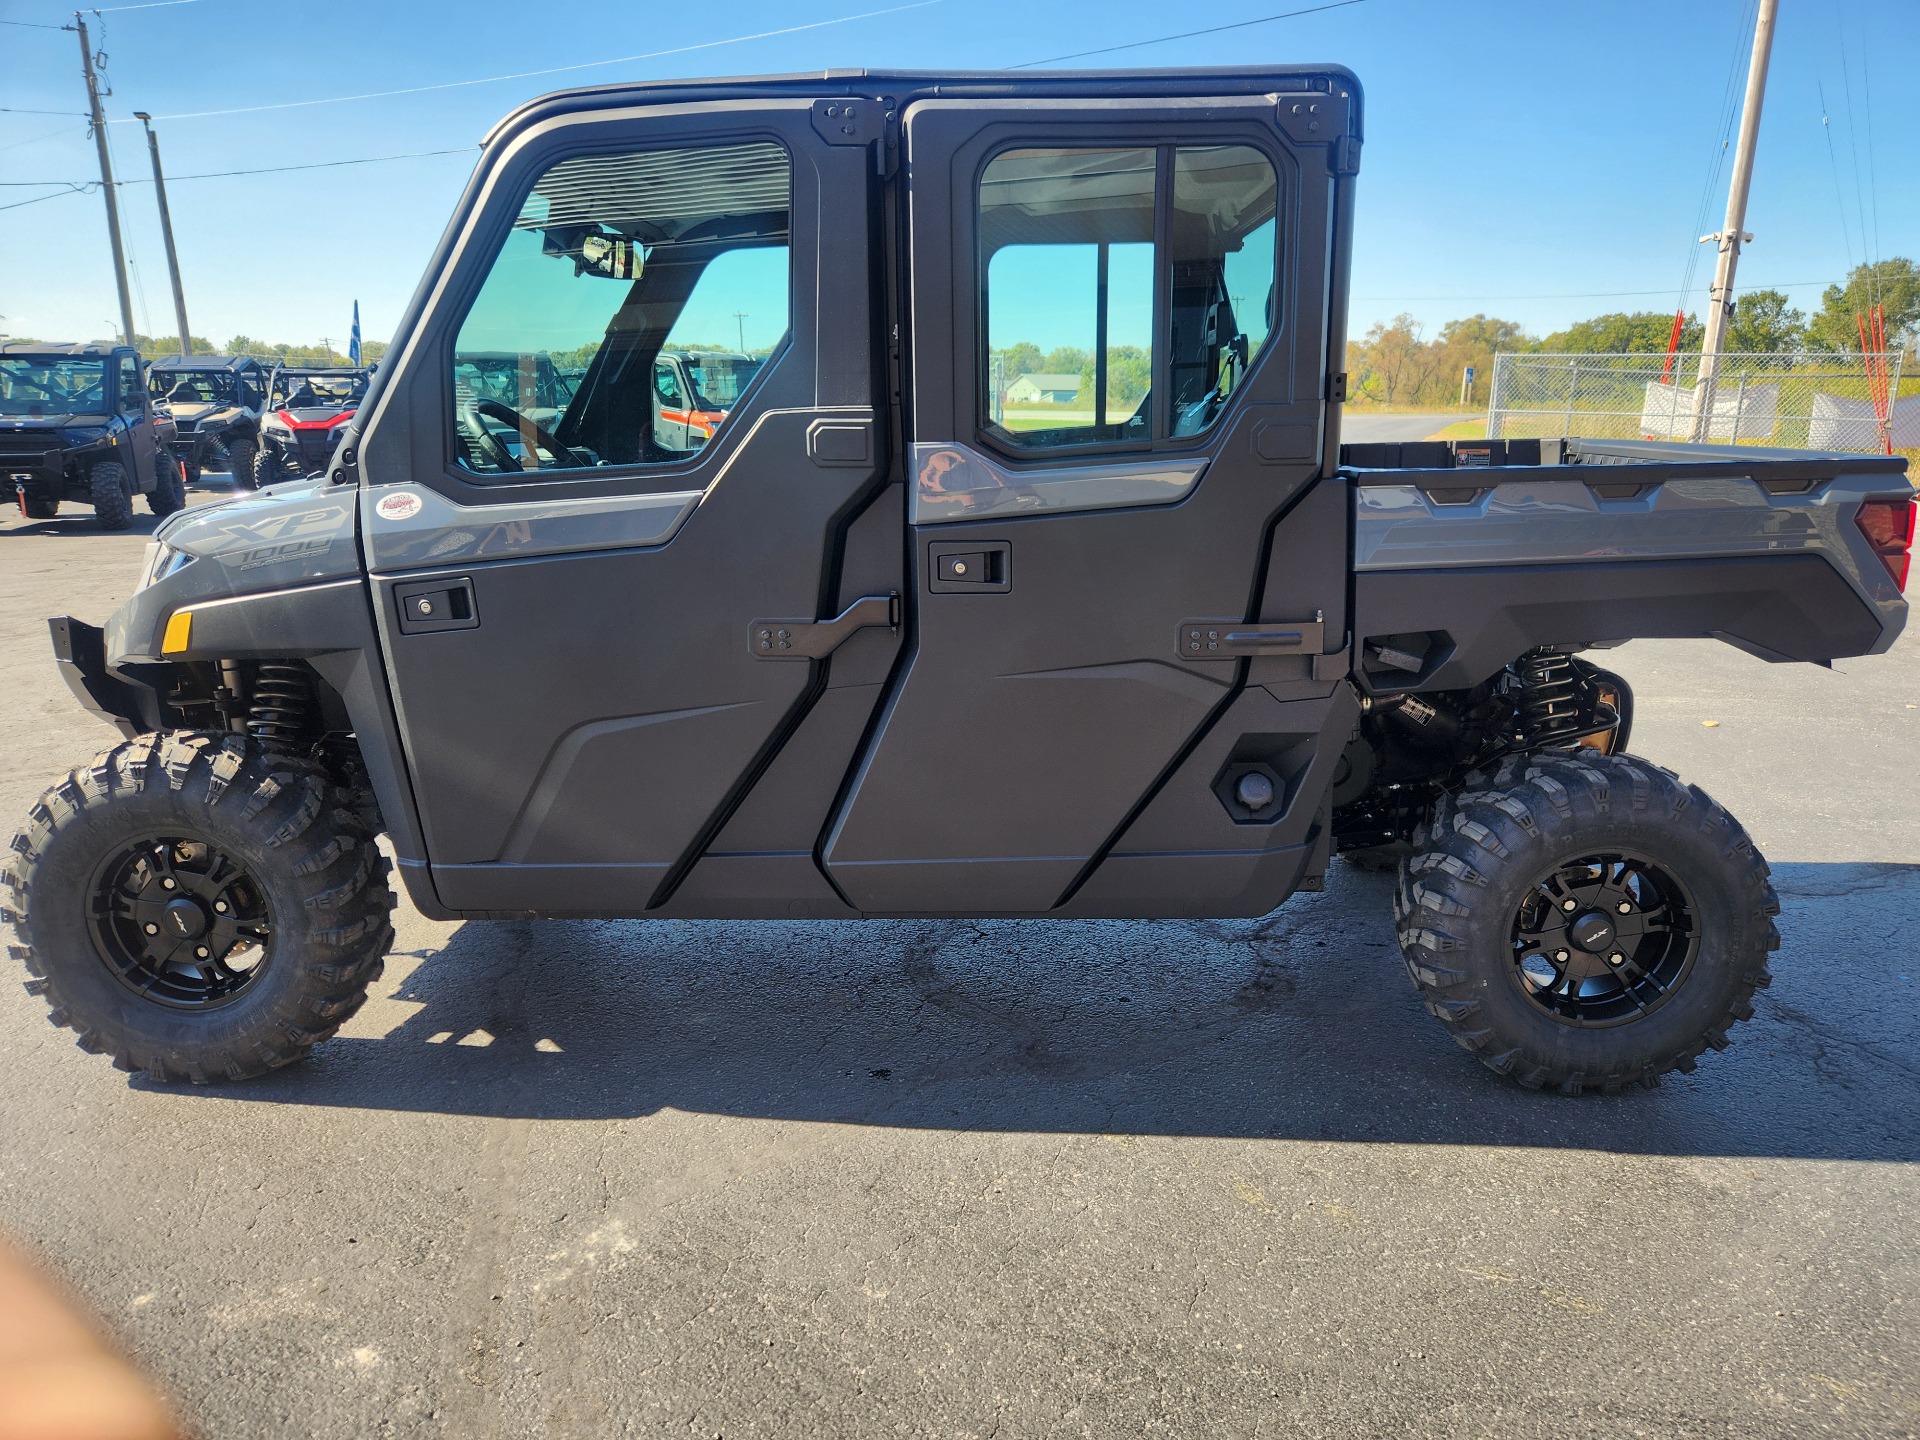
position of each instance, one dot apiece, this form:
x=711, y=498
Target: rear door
x=1162, y=268
x=569, y=613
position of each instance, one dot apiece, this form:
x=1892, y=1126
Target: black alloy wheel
x=180, y=922
x=1604, y=939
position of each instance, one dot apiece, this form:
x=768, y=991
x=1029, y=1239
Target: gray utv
x=1139, y=641
x=214, y=402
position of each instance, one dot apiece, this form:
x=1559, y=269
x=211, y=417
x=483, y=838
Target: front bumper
x=39, y=473
x=82, y=652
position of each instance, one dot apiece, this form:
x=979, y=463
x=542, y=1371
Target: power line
x=1596, y=294
x=263, y=169
x=556, y=69
x=86, y=189
x=1185, y=34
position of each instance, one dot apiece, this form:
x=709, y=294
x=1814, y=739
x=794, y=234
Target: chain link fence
x=1797, y=401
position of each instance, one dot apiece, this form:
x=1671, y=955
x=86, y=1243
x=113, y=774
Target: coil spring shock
x=281, y=710
x=1551, y=700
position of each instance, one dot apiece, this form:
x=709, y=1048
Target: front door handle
x=815, y=639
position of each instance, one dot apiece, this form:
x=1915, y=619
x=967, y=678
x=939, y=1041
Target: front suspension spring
x=282, y=708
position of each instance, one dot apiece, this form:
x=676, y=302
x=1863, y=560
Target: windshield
x=30, y=386
x=532, y=384
x=191, y=387
x=301, y=392
x=719, y=379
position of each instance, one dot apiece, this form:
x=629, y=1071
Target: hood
x=9, y=423
x=195, y=409
x=316, y=414
x=288, y=534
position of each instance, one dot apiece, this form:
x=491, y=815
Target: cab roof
x=92, y=349
x=204, y=362
x=904, y=86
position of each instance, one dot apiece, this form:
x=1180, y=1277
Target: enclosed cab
x=214, y=402
x=77, y=424
x=896, y=641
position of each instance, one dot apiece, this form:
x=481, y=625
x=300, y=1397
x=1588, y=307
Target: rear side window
x=1125, y=292
x=613, y=260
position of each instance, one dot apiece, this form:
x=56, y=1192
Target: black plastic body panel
x=1786, y=607
x=80, y=651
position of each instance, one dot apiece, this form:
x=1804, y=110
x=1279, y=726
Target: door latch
x=435, y=605
x=1231, y=639
x=814, y=639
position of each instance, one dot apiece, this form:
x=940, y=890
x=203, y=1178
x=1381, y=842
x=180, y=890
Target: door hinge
x=815, y=639
x=859, y=120
x=1337, y=388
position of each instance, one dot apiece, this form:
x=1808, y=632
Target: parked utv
x=307, y=412
x=76, y=424
x=872, y=651
x=693, y=392
x=214, y=402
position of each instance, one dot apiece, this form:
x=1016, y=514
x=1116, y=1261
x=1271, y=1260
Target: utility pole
x=166, y=233
x=106, y=180
x=1732, y=234
x=740, y=319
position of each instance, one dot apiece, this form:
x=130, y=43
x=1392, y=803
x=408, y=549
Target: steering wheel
x=537, y=435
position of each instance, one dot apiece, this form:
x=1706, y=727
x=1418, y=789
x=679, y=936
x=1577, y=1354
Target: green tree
x=1641, y=332
x=1021, y=358
x=1064, y=360
x=1392, y=362
x=1473, y=341
x=1893, y=283
x=1764, y=323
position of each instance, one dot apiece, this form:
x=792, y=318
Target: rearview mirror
x=594, y=250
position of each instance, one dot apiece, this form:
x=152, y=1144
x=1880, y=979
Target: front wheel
x=111, y=494
x=1585, y=921
x=197, y=907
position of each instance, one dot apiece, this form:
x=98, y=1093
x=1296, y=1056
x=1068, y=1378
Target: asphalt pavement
x=1356, y=426
x=1017, y=1179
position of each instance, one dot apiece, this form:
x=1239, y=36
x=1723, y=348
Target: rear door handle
x=814, y=639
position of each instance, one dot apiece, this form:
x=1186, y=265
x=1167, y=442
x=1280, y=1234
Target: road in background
x=1356, y=426
x=1018, y=1178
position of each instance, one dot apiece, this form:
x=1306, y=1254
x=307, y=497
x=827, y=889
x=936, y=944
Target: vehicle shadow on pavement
x=1299, y=1026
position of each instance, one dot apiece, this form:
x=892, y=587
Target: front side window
x=612, y=262
x=1124, y=292
x=133, y=395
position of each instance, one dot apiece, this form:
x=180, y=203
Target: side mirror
x=594, y=250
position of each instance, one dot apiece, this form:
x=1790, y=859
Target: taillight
x=1888, y=526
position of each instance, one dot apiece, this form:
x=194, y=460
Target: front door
x=136, y=407
x=1118, y=317
x=568, y=610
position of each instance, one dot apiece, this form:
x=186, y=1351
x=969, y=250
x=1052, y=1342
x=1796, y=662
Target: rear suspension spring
x=1552, y=701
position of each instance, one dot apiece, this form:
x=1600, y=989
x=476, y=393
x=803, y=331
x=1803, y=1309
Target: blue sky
x=1541, y=161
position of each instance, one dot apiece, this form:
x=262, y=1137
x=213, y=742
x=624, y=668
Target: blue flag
x=353, y=345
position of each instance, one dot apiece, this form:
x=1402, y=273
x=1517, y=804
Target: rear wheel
x=111, y=494
x=169, y=491
x=1584, y=921
x=197, y=907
